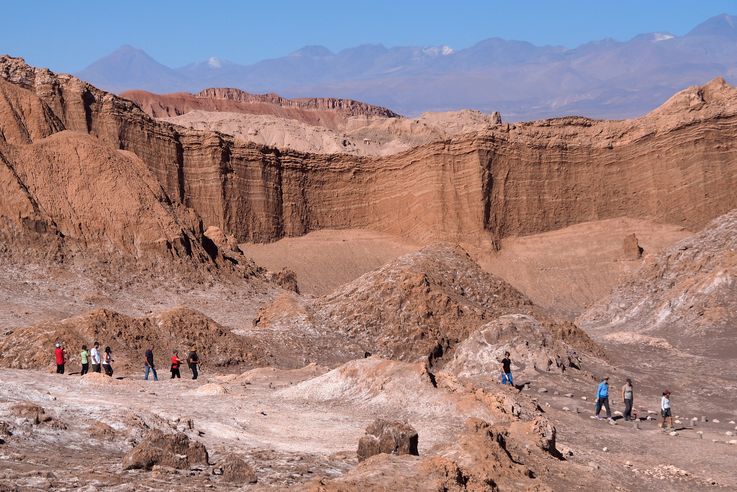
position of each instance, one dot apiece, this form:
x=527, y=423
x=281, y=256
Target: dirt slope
x=684, y=297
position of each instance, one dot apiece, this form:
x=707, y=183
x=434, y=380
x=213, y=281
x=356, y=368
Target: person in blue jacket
x=602, y=398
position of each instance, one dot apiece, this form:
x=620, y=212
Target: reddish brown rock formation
x=309, y=110
x=632, y=248
x=172, y=450
x=128, y=337
x=516, y=179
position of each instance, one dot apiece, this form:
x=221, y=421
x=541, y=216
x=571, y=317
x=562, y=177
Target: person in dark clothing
x=602, y=398
x=193, y=361
x=107, y=361
x=507, y=370
x=61, y=358
x=175, y=363
x=149, y=365
x=627, y=397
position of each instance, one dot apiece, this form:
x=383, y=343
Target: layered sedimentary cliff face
x=676, y=165
x=324, y=111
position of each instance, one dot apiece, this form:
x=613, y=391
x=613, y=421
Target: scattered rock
x=173, y=450
x=716, y=421
x=584, y=398
x=569, y=395
x=101, y=430
x=673, y=433
x=729, y=433
x=733, y=441
x=566, y=409
x=605, y=449
x=34, y=413
x=234, y=469
x=390, y=437
x=542, y=390
x=632, y=248
x=5, y=429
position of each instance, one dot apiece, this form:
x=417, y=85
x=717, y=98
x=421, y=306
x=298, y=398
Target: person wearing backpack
x=193, y=361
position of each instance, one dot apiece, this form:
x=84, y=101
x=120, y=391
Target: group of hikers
x=104, y=362
x=602, y=395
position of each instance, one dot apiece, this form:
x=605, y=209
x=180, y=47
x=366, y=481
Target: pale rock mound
x=533, y=347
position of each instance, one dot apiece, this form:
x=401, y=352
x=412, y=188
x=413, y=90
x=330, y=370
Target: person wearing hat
x=665, y=411
x=602, y=398
x=61, y=358
x=193, y=361
x=627, y=398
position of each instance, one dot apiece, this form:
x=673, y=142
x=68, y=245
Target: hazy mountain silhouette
x=605, y=79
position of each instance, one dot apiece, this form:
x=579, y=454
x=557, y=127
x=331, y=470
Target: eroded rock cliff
x=674, y=165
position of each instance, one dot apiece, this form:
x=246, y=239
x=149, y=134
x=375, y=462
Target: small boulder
x=31, y=411
x=632, y=248
x=390, y=437
x=172, y=450
x=234, y=469
x=5, y=429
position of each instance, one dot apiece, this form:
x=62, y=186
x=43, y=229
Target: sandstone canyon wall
x=676, y=165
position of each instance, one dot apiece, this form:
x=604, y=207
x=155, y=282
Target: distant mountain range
x=601, y=79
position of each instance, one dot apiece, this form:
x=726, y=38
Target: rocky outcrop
x=390, y=437
x=632, y=248
x=234, y=469
x=532, y=346
x=416, y=306
x=176, y=329
x=683, y=298
x=347, y=107
x=325, y=111
x=674, y=165
x=172, y=450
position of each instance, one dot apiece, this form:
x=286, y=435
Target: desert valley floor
x=349, y=275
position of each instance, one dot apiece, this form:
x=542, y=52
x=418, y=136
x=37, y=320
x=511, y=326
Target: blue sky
x=68, y=35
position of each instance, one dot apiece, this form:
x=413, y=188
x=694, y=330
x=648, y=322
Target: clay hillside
x=337, y=286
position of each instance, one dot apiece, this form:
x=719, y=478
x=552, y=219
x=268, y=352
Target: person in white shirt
x=95, y=357
x=665, y=411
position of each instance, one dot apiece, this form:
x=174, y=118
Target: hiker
x=627, y=393
x=602, y=398
x=507, y=369
x=193, y=361
x=107, y=360
x=665, y=411
x=61, y=358
x=95, y=357
x=84, y=358
x=175, y=363
x=149, y=364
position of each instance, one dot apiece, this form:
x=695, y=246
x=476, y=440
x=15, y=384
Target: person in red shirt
x=61, y=358
x=175, y=363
